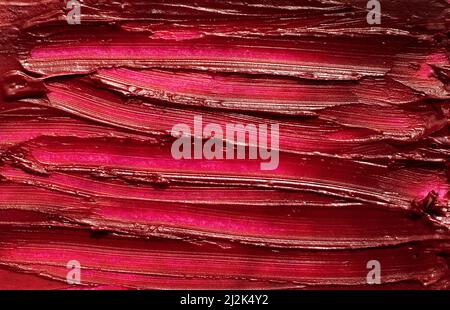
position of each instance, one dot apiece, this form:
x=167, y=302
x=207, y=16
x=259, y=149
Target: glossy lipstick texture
x=87, y=172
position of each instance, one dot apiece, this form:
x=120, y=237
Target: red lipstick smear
x=87, y=172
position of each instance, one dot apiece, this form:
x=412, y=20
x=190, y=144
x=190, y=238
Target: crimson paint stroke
x=86, y=165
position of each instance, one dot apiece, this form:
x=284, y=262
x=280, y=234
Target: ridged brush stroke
x=343, y=59
x=247, y=216
x=163, y=263
x=86, y=171
x=375, y=183
x=365, y=124
x=250, y=94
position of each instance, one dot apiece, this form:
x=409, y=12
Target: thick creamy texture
x=87, y=174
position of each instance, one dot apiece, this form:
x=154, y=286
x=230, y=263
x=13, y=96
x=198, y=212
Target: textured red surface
x=87, y=174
